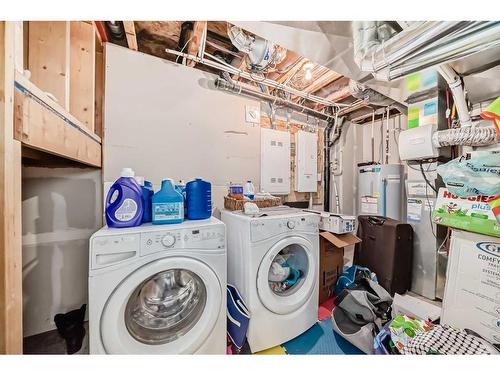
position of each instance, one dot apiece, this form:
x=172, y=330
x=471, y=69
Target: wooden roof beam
x=196, y=44
x=130, y=34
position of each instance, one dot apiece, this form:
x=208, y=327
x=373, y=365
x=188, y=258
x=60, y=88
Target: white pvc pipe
x=453, y=80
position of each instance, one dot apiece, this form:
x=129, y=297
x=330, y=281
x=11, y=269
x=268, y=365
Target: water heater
x=380, y=190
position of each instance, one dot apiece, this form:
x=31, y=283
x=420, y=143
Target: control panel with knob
x=168, y=240
x=290, y=224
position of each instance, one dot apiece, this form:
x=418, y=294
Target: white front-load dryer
x=158, y=289
x=254, y=243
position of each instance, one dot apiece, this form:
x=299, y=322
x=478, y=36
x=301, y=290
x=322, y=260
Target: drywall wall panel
x=164, y=120
x=379, y=132
x=61, y=208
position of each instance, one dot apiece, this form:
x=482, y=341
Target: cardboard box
x=472, y=292
x=331, y=260
x=472, y=214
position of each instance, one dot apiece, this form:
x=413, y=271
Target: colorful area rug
x=325, y=309
x=320, y=339
x=277, y=350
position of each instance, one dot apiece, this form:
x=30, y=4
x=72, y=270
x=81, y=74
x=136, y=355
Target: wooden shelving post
x=11, y=335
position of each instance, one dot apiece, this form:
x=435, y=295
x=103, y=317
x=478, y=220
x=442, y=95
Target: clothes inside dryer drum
x=165, y=306
x=287, y=270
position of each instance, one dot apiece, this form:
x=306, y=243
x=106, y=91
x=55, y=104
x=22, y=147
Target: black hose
x=326, y=171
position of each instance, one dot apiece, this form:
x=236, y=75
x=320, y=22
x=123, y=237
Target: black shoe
x=70, y=328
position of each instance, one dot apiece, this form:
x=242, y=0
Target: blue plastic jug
x=168, y=204
x=124, y=206
x=181, y=188
x=147, y=200
x=199, y=199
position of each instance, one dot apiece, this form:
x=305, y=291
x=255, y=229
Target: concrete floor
x=51, y=343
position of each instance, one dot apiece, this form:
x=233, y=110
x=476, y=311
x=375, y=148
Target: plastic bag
x=477, y=176
x=403, y=329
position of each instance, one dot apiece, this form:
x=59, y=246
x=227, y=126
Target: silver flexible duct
x=467, y=136
x=421, y=45
x=476, y=38
x=261, y=52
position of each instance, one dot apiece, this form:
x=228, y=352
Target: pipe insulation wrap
x=466, y=136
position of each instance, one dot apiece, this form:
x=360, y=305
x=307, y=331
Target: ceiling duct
x=360, y=91
x=262, y=54
x=420, y=46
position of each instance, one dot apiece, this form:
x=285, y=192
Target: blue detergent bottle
x=147, y=197
x=199, y=199
x=124, y=206
x=168, y=204
x=181, y=188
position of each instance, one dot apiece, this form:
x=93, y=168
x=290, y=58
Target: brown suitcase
x=386, y=249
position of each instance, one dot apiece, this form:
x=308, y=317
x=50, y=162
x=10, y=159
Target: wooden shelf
x=43, y=124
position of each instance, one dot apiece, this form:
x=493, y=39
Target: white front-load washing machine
x=278, y=312
x=158, y=289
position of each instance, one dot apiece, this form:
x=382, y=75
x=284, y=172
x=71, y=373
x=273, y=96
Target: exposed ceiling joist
x=130, y=34
x=324, y=80
x=196, y=40
x=291, y=60
x=101, y=31
x=288, y=75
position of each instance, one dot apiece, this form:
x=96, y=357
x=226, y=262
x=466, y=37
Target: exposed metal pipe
x=222, y=84
x=251, y=77
x=421, y=45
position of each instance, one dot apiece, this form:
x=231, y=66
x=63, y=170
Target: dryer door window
x=168, y=306
x=288, y=270
x=165, y=306
x=287, y=275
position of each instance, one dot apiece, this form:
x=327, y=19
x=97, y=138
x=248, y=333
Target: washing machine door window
x=287, y=275
x=165, y=306
x=168, y=306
